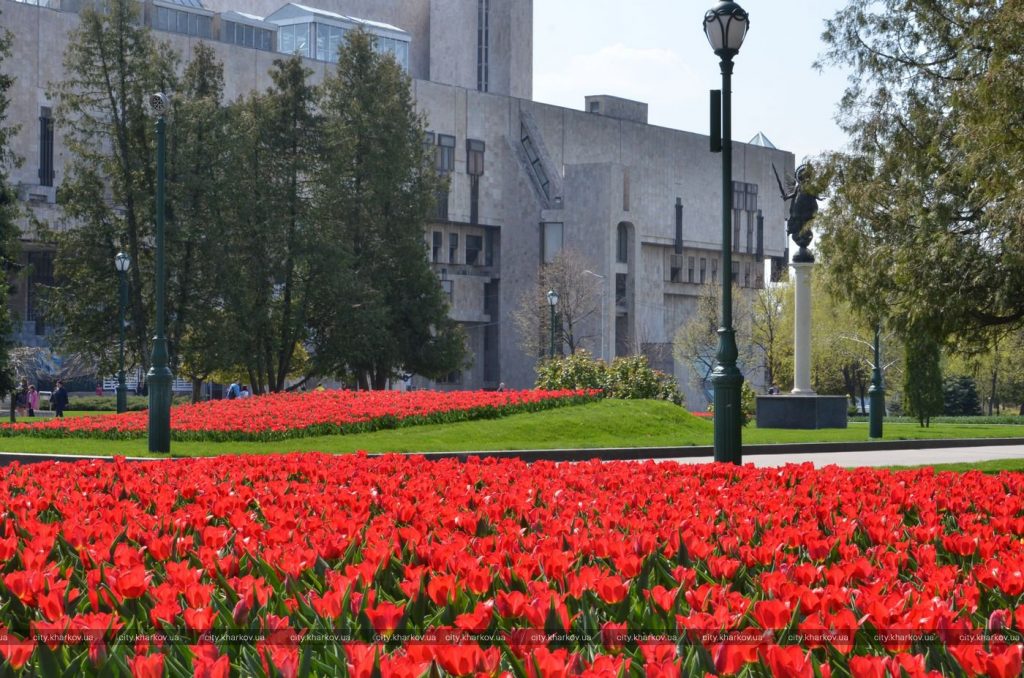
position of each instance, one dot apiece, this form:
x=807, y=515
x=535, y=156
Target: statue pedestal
x=801, y=411
x=802, y=327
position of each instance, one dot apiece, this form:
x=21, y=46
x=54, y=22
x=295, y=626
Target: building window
x=329, y=40
x=535, y=162
x=399, y=49
x=435, y=254
x=735, y=272
x=294, y=39
x=622, y=244
x=474, y=157
x=474, y=247
x=483, y=39
x=444, y=163
x=750, y=231
x=552, y=237
x=453, y=378
x=736, y=217
x=475, y=168
x=445, y=153
x=178, y=21
x=675, y=268
x=453, y=248
x=703, y=270
x=620, y=289
x=689, y=271
x=40, y=276
x=45, y=146
x=247, y=35
x=595, y=106
x=714, y=270
x=746, y=274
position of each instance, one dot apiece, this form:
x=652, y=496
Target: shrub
x=960, y=396
x=627, y=378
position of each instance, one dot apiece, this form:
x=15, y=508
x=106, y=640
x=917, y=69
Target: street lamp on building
x=122, y=262
x=552, y=302
x=604, y=290
x=726, y=25
x=159, y=376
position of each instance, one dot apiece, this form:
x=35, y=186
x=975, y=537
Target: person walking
x=21, y=398
x=59, y=399
x=33, y=400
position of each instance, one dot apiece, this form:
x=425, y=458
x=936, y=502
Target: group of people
x=236, y=390
x=26, y=399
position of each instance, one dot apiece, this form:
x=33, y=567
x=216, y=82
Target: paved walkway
x=947, y=455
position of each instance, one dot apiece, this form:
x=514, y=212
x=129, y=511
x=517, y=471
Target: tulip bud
x=241, y=611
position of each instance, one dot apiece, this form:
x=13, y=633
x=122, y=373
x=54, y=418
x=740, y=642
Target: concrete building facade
x=640, y=203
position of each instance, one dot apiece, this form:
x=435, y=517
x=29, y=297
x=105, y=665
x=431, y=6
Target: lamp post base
x=122, y=398
x=159, y=381
x=876, y=397
x=728, y=384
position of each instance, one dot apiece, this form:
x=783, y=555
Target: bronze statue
x=802, y=209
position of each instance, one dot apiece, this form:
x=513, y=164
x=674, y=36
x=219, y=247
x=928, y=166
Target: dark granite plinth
x=801, y=411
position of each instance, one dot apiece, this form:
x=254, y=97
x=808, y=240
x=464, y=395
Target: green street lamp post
x=552, y=302
x=726, y=25
x=159, y=376
x=876, y=393
x=122, y=262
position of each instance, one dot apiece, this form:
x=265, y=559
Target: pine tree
x=376, y=192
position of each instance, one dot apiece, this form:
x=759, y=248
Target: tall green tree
x=8, y=214
x=112, y=64
x=271, y=265
x=922, y=377
x=377, y=190
x=198, y=189
x=925, y=215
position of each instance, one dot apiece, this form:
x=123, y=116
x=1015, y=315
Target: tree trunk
x=197, y=389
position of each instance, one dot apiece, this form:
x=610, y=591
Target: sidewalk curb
x=608, y=454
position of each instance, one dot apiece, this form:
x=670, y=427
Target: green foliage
x=9, y=231
x=627, y=378
x=112, y=64
x=922, y=378
x=923, y=223
x=375, y=193
x=960, y=396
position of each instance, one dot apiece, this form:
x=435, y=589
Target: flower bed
x=289, y=415
x=396, y=566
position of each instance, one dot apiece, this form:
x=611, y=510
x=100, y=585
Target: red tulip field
x=310, y=564
x=280, y=416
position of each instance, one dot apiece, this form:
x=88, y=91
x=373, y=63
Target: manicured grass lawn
x=992, y=466
x=608, y=423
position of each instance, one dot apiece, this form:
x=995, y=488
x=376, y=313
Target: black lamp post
x=725, y=26
x=122, y=262
x=552, y=302
x=159, y=376
x=876, y=393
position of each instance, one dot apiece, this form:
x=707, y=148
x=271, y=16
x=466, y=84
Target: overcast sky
x=655, y=51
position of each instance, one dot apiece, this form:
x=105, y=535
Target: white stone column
x=802, y=328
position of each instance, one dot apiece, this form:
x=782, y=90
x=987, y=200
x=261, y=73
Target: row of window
x=247, y=35
x=476, y=250
x=321, y=41
x=443, y=148
x=178, y=21
x=697, y=271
